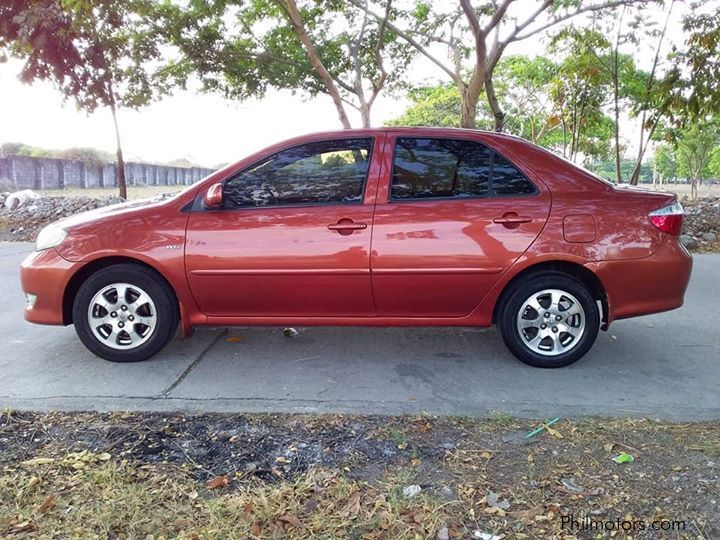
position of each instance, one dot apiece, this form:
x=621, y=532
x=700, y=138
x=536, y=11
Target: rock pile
x=702, y=224
x=24, y=222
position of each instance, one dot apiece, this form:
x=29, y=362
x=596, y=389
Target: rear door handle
x=346, y=226
x=512, y=219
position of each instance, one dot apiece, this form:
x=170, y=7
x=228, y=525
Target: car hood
x=109, y=211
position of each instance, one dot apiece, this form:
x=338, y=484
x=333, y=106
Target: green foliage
x=19, y=149
x=524, y=87
x=34, y=152
x=694, y=153
x=580, y=90
x=714, y=163
x=241, y=49
x=695, y=145
x=96, y=53
x=665, y=161
x=431, y=106
x=691, y=87
x=10, y=149
x=520, y=82
x=556, y=105
x=605, y=168
x=90, y=155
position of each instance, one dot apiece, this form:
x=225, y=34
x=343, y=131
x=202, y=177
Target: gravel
x=688, y=241
x=23, y=223
x=702, y=224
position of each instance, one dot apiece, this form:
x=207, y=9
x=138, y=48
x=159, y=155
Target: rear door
x=452, y=216
x=293, y=237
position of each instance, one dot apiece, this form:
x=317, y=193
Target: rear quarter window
x=434, y=168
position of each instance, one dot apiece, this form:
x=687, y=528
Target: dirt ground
x=135, y=475
x=134, y=192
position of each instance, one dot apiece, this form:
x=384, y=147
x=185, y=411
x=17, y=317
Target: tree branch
x=407, y=37
x=380, y=83
x=470, y=94
x=354, y=50
x=519, y=28
x=579, y=11
x=497, y=16
x=473, y=20
x=296, y=21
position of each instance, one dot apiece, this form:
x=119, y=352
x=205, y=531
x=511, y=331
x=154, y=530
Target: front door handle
x=512, y=220
x=346, y=226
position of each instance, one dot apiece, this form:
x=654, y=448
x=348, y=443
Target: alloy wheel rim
x=551, y=322
x=122, y=316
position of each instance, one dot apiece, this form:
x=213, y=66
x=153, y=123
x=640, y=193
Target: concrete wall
x=49, y=173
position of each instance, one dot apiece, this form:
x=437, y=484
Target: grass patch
x=130, y=475
x=502, y=419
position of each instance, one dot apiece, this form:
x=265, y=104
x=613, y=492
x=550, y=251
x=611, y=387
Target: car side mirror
x=214, y=196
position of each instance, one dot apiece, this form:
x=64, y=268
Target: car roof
x=438, y=131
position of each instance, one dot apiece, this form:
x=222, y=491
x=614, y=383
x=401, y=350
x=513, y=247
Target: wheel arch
x=82, y=274
x=578, y=271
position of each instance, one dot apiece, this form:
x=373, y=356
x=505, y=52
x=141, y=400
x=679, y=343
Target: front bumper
x=649, y=285
x=45, y=274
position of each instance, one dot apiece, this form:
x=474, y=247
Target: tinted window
x=319, y=172
x=507, y=180
x=428, y=168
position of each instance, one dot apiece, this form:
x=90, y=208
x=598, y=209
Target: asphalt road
x=660, y=366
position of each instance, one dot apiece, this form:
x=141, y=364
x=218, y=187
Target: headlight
x=50, y=236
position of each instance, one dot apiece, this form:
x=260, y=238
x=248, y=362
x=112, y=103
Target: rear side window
x=507, y=180
x=314, y=173
x=452, y=168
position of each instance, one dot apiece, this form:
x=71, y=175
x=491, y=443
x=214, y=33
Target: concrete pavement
x=665, y=366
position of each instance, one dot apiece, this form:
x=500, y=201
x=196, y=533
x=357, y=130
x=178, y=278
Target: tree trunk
x=468, y=108
x=694, y=188
x=618, y=174
x=365, y=114
x=635, y=175
x=498, y=114
x=470, y=93
x=635, y=178
x=616, y=94
x=122, y=185
x=643, y=143
x=316, y=62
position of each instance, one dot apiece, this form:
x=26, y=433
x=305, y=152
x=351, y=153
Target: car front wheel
x=549, y=319
x=125, y=313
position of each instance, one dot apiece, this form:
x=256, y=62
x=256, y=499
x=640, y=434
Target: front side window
x=318, y=172
x=453, y=168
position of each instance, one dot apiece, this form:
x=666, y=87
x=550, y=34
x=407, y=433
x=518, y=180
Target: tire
x=131, y=328
x=569, y=331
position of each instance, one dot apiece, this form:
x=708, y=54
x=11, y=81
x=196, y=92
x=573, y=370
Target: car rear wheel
x=549, y=319
x=125, y=313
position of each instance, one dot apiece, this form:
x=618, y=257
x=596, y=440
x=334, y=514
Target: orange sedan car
x=376, y=227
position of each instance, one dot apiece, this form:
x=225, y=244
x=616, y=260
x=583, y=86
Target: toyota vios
x=380, y=227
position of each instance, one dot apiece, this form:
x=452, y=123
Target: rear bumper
x=45, y=274
x=650, y=285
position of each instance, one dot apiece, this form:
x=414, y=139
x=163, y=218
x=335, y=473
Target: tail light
x=669, y=218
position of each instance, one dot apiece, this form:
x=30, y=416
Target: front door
x=292, y=238
x=457, y=215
